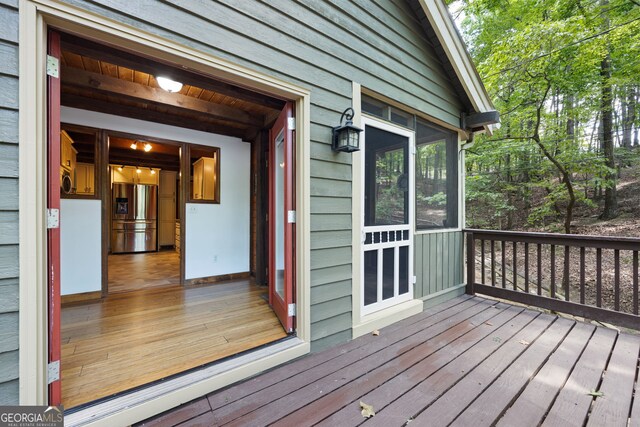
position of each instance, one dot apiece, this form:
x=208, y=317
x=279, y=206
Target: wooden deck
x=469, y=361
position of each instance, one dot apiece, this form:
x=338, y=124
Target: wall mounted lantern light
x=346, y=137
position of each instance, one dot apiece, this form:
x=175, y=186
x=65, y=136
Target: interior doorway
x=144, y=322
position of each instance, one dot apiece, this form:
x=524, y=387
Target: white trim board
x=455, y=49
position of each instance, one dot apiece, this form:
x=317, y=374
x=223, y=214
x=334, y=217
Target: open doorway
x=144, y=213
x=173, y=234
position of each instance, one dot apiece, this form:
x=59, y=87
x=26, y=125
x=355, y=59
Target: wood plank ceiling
x=99, y=78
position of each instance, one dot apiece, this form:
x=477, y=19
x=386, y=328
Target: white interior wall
x=216, y=236
x=80, y=246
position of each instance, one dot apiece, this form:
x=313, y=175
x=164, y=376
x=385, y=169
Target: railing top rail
x=579, y=240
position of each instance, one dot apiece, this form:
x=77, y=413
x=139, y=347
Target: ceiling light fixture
x=168, y=84
x=153, y=172
x=138, y=170
x=147, y=147
x=134, y=145
x=120, y=168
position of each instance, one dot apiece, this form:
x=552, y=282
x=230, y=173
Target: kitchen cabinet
x=204, y=179
x=84, y=179
x=167, y=208
x=67, y=152
x=128, y=175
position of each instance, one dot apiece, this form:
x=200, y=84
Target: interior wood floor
x=131, y=339
x=132, y=272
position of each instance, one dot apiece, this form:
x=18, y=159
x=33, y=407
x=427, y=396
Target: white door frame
x=364, y=321
x=385, y=229
x=35, y=17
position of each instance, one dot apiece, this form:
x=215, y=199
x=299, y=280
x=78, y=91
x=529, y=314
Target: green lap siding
x=438, y=264
x=9, y=266
x=321, y=45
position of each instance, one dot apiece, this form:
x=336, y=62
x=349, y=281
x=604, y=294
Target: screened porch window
x=436, y=182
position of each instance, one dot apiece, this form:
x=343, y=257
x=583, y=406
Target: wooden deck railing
x=588, y=276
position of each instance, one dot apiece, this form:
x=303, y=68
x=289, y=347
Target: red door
x=282, y=218
x=53, y=206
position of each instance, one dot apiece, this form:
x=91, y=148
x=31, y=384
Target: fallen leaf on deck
x=367, y=410
x=375, y=333
x=595, y=393
x=523, y=342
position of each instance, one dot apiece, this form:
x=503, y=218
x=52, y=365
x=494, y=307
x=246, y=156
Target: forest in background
x=565, y=77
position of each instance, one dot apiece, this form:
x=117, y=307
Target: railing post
x=471, y=264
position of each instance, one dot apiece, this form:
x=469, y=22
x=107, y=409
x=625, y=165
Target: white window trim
x=461, y=199
x=35, y=16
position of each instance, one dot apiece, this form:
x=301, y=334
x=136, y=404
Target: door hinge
x=292, y=310
x=414, y=279
x=53, y=371
x=53, y=218
x=53, y=66
x=291, y=217
x=291, y=123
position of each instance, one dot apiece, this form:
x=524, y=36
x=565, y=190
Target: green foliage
x=541, y=63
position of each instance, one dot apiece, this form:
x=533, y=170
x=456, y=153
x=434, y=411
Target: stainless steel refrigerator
x=134, y=218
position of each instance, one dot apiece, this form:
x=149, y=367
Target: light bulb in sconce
x=147, y=147
x=168, y=84
x=138, y=170
x=120, y=168
x=153, y=172
x=134, y=145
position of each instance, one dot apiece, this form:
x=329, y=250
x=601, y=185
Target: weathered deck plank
x=612, y=409
x=401, y=384
x=498, y=378
x=460, y=337
x=240, y=391
x=572, y=404
x=534, y=401
x=488, y=359
x=471, y=361
x=352, y=366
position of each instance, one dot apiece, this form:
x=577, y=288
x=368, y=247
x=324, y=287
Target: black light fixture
x=346, y=137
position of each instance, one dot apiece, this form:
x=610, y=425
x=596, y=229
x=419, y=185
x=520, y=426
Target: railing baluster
x=582, y=268
x=609, y=304
x=635, y=282
x=493, y=263
x=616, y=283
x=471, y=264
x=526, y=267
x=515, y=265
x=482, y=260
x=503, y=245
x=552, y=285
x=565, y=278
x=539, y=269
x=599, y=277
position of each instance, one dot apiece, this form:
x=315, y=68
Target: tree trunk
x=606, y=109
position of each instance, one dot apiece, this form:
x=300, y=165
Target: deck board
x=357, y=363
x=470, y=361
x=463, y=335
x=533, y=403
x=612, y=409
